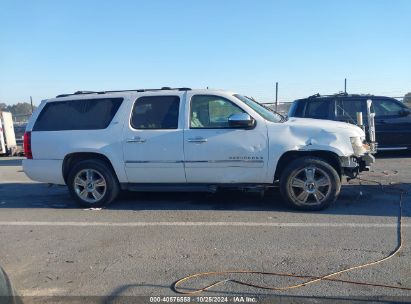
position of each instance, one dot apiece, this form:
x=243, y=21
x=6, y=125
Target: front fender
x=306, y=140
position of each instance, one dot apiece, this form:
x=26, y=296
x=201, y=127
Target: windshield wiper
x=283, y=118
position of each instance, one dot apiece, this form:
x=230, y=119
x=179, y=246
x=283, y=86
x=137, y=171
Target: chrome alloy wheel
x=309, y=186
x=90, y=185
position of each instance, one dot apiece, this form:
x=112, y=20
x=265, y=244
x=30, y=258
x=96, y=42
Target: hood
x=328, y=126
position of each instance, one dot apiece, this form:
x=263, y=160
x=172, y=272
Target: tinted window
x=296, y=109
x=386, y=107
x=211, y=112
x=156, y=112
x=81, y=114
x=318, y=109
x=346, y=109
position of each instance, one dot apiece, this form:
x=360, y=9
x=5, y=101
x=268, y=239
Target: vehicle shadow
x=354, y=199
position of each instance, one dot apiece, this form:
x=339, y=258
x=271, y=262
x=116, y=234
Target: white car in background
x=98, y=143
x=8, y=144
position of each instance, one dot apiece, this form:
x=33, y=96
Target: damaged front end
x=353, y=165
x=363, y=156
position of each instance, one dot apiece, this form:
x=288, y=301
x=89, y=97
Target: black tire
x=314, y=190
x=7, y=293
x=100, y=169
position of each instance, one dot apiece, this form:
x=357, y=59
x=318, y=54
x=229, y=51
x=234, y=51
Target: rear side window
x=346, y=109
x=80, y=114
x=319, y=109
x=156, y=112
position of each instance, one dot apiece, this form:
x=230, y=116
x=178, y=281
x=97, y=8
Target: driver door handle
x=197, y=140
x=136, y=139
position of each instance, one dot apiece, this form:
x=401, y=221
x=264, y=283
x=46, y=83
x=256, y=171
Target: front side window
x=211, y=112
x=319, y=109
x=386, y=107
x=80, y=114
x=156, y=112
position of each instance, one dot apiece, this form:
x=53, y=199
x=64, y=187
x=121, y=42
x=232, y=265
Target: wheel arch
x=328, y=156
x=72, y=158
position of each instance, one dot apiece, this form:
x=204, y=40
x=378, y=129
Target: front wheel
x=310, y=183
x=92, y=183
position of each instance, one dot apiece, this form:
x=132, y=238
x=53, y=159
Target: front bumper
x=353, y=165
x=366, y=161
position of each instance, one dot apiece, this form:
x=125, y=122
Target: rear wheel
x=93, y=183
x=310, y=183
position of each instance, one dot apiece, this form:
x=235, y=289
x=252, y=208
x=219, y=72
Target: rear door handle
x=137, y=140
x=197, y=140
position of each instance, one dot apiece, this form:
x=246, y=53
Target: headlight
x=358, y=145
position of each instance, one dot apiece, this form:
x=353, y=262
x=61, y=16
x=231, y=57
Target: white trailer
x=2, y=142
x=8, y=145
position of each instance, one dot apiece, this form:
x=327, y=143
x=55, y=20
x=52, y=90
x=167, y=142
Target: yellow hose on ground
x=312, y=279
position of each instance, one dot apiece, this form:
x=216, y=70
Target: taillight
x=27, y=145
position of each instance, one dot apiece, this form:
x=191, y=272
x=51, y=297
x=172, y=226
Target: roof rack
x=119, y=91
x=337, y=94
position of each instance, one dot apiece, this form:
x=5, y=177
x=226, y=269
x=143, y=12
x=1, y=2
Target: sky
x=53, y=47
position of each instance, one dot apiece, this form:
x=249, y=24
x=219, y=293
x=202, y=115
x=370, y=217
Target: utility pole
x=345, y=85
x=276, y=96
x=31, y=103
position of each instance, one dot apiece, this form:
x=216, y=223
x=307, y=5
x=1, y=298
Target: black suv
x=392, y=117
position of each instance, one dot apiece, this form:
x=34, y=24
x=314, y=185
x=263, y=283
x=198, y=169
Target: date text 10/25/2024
x=203, y=299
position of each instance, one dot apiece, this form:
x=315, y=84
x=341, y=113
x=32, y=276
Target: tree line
x=20, y=111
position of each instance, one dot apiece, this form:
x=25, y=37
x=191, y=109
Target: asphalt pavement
x=144, y=242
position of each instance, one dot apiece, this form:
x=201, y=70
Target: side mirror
x=242, y=120
x=405, y=112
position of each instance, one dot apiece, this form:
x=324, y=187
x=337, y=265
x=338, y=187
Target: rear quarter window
x=80, y=114
x=319, y=109
x=296, y=109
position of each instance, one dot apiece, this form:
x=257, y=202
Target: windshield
x=264, y=111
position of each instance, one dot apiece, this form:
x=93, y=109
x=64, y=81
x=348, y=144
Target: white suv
x=166, y=139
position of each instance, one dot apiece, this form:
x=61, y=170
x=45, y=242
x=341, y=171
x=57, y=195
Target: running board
x=211, y=188
x=170, y=188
